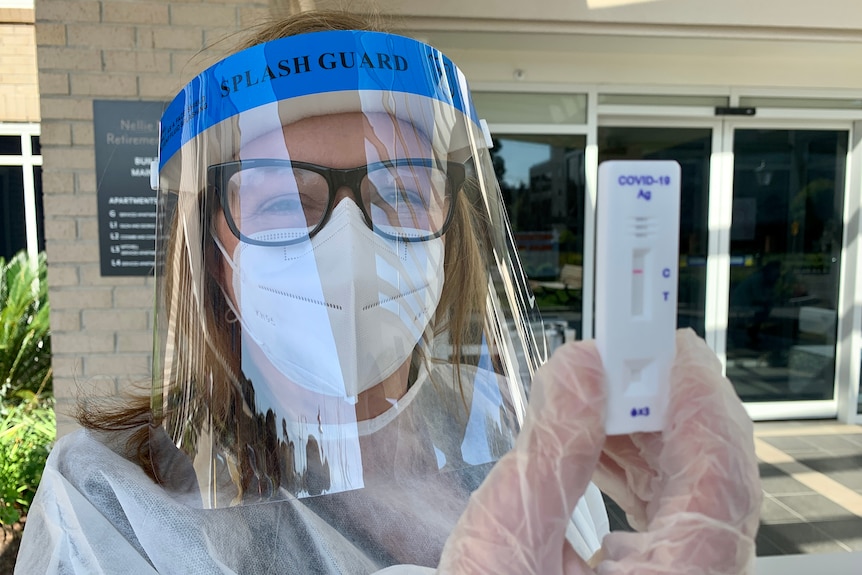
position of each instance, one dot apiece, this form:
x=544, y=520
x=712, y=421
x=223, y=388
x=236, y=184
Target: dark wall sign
x=127, y=141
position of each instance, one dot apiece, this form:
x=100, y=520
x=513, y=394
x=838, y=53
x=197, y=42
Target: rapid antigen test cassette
x=637, y=260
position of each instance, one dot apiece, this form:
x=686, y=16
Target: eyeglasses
x=280, y=202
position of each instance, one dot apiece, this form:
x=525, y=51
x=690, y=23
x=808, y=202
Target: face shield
x=341, y=321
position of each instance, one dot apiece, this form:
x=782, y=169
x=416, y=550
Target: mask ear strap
x=224, y=253
x=231, y=314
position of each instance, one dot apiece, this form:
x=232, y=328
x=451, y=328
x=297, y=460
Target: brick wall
x=19, y=87
x=102, y=326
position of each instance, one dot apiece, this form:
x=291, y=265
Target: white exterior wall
x=767, y=43
x=678, y=63
x=825, y=14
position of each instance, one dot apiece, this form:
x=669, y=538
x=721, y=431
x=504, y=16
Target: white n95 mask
x=341, y=312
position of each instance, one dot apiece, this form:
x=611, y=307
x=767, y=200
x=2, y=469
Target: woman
x=344, y=347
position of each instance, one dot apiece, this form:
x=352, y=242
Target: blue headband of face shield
x=307, y=64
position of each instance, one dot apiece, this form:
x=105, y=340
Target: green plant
x=27, y=430
x=27, y=426
x=25, y=342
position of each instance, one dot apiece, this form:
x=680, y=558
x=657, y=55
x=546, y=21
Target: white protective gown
x=97, y=512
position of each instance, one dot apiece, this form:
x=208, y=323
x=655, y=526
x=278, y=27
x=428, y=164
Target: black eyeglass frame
x=218, y=176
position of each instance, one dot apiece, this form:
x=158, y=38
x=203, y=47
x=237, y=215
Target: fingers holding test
x=516, y=521
x=708, y=456
x=703, y=499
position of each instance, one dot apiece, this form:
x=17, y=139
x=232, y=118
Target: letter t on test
x=637, y=263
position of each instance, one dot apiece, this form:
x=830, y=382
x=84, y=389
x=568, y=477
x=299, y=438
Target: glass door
x=785, y=249
x=692, y=148
x=760, y=249
x=542, y=180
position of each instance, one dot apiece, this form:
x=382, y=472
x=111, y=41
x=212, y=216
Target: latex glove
x=693, y=489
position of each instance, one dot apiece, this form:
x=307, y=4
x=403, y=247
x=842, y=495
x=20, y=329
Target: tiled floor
x=811, y=474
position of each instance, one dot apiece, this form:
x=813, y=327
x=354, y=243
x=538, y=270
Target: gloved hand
x=693, y=490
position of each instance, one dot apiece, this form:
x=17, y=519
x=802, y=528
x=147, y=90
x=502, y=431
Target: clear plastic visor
x=339, y=310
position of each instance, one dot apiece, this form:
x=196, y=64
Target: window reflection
x=40, y=207
x=542, y=181
x=691, y=147
x=15, y=190
x=13, y=231
x=785, y=246
x=10, y=145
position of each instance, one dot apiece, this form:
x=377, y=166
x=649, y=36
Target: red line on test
x=637, y=271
